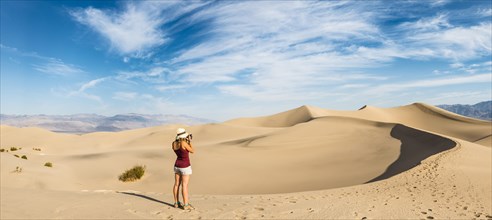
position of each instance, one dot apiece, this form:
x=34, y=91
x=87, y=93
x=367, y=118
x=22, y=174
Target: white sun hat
x=181, y=133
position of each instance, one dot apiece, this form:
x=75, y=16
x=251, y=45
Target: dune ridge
x=288, y=118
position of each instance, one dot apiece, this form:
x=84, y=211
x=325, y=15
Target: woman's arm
x=187, y=147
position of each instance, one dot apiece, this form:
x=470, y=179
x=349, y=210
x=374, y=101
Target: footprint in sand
x=156, y=212
x=240, y=217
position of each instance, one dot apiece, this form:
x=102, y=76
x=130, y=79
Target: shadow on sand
x=415, y=146
x=146, y=197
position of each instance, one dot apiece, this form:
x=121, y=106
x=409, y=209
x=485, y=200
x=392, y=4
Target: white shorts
x=183, y=171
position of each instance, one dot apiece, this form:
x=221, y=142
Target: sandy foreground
x=410, y=162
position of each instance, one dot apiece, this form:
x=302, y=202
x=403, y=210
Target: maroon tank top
x=183, y=159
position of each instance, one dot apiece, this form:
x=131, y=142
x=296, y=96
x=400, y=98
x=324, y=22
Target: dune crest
x=284, y=119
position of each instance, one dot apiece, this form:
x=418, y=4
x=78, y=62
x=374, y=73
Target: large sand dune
x=307, y=161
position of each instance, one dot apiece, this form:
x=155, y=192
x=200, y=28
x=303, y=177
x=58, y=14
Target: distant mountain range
x=482, y=110
x=86, y=123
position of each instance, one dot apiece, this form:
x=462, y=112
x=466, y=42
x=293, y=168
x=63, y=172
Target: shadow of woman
x=416, y=145
x=146, y=197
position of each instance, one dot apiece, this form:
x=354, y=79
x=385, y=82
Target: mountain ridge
x=88, y=123
x=481, y=110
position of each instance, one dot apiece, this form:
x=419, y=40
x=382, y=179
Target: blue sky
x=228, y=59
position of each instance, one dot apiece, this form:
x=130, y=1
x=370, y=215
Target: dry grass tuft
x=132, y=174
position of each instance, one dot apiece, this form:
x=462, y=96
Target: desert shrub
x=13, y=149
x=37, y=149
x=2, y=150
x=24, y=157
x=15, y=155
x=48, y=164
x=132, y=174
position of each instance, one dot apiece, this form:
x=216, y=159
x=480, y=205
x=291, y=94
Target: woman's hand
x=187, y=146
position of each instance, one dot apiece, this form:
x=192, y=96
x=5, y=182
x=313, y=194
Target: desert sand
x=408, y=162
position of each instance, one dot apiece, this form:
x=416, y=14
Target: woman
x=182, y=168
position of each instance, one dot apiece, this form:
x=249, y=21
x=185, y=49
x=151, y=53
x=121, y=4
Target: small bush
x=2, y=150
x=132, y=174
x=13, y=149
x=48, y=164
x=24, y=157
x=15, y=155
x=37, y=149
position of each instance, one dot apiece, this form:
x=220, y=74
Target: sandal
x=178, y=205
x=188, y=206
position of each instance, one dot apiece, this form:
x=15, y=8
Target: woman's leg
x=185, y=179
x=177, y=182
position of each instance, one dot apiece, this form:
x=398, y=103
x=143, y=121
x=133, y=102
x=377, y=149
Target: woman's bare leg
x=177, y=182
x=185, y=180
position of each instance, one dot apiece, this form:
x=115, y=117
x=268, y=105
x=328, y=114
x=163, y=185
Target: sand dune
x=284, y=119
x=417, y=115
x=307, y=161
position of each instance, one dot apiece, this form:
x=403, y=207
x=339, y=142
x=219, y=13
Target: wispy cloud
x=82, y=91
x=275, y=54
x=427, y=24
x=91, y=84
x=482, y=67
x=326, y=49
x=125, y=96
x=136, y=29
x=444, y=81
x=50, y=65
x=164, y=88
x=153, y=75
x=131, y=31
x=461, y=42
x=485, y=12
x=57, y=67
x=439, y=2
